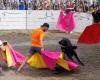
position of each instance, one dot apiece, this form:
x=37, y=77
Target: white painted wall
x=17, y=19
x=37, y=18
x=82, y=20
x=12, y=19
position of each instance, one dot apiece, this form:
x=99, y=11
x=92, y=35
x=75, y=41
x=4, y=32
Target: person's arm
x=41, y=40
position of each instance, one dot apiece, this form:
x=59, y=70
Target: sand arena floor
x=21, y=41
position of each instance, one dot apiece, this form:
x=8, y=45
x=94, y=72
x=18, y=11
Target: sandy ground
x=89, y=54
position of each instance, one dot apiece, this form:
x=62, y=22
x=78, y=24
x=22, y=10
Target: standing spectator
x=5, y=4
x=48, y=4
x=8, y=6
x=81, y=6
x=64, y=2
x=94, y=4
x=21, y=6
x=35, y=4
x=2, y=7
x=54, y=4
x=14, y=5
x=58, y=4
x=86, y=8
x=26, y=4
x=30, y=5
x=98, y=9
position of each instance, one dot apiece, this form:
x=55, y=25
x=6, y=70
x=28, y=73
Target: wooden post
x=27, y=14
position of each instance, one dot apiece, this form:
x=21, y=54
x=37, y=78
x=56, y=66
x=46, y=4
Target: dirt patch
x=89, y=54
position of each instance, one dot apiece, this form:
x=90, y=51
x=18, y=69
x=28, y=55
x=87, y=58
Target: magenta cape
x=66, y=22
x=53, y=58
x=13, y=58
x=50, y=58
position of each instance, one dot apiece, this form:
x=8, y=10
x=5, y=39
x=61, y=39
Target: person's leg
x=27, y=57
x=1, y=52
x=24, y=62
x=31, y=52
x=53, y=6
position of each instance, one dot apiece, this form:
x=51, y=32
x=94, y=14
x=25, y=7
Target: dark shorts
x=34, y=50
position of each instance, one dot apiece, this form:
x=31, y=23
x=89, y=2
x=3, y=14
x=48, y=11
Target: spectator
x=21, y=6
x=2, y=7
x=14, y=5
x=83, y=5
x=95, y=4
x=86, y=7
x=25, y=5
x=54, y=4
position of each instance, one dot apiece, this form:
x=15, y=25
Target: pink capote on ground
x=50, y=58
x=72, y=65
x=66, y=22
x=17, y=57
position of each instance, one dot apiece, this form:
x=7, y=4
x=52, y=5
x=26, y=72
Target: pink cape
x=50, y=59
x=14, y=58
x=18, y=57
x=72, y=65
x=66, y=22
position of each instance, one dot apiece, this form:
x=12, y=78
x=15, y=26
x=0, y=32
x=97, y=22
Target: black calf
x=69, y=50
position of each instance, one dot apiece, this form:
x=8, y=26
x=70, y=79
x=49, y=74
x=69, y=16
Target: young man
x=37, y=42
x=37, y=39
